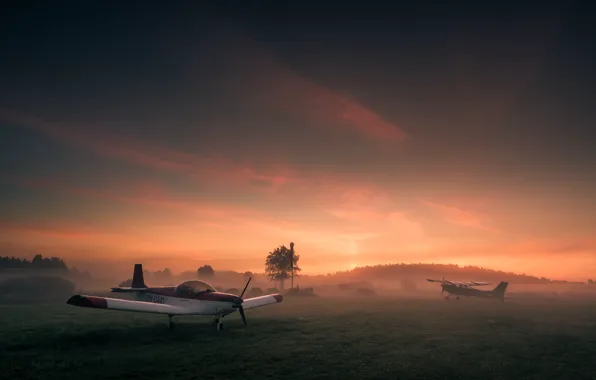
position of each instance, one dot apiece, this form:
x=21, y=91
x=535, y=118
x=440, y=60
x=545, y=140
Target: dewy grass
x=309, y=338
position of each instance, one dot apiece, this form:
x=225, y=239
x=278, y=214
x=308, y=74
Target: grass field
x=310, y=338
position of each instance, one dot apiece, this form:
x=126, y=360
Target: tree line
x=38, y=262
x=449, y=271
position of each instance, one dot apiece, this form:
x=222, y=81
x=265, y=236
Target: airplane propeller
x=246, y=286
x=241, y=311
x=239, y=306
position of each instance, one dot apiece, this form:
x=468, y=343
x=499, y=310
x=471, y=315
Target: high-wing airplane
x=467, y=289
x=188, y=298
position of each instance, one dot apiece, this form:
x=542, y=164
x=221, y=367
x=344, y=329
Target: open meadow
x=304, y=338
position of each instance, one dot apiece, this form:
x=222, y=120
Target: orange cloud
x=201, y=225
x=146, y=194
x=279, y=182
x=70, y=232
x=326, y=107
x=380, y=234
x=212, y=170
x=458, y=216
x=58, y=236
x=278, y=85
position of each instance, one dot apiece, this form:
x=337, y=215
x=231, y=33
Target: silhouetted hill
x=438, y=271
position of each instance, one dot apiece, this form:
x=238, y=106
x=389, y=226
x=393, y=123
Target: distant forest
x=438, y=271
x=379, y=272
x=38, y=262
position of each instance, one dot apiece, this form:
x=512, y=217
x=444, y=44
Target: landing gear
x=171, y=324
x=457, y=298
x=218, y=322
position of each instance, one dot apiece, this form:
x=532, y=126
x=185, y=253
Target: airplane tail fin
x=138, y=282
x=137, y=277
x=499, y=291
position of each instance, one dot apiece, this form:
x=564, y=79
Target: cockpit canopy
x=192, y=288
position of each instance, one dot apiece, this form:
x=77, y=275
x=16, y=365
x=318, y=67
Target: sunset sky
x=187, y=134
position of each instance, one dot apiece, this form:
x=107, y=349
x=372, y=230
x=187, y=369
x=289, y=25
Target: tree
x=206, y=271
x=57, y=263
x=37, y=261
x=278, y=264
x=248, y=274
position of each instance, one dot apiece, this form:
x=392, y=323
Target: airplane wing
x=460, y=283
x=125, y=305
x=479, y=283
x=251, y=303
x=471, y=283
x=443, y=281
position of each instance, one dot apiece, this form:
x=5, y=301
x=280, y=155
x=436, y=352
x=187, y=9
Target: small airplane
x=467, y=289
x=188, y=298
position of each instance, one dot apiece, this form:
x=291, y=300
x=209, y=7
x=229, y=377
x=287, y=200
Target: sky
x=194, y=133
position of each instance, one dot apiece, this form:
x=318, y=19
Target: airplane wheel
x=219, y=323
x=457, y=298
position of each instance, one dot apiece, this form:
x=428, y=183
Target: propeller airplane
x=467, y=289
x=188, y=298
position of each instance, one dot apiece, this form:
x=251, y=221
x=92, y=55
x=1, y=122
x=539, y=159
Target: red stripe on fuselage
x=203, y=296
x=88, y=301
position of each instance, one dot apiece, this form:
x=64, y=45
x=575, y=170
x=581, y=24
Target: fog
x=19, y=284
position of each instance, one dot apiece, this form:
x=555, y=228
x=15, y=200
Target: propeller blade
x=241, y=310
x=248, y=282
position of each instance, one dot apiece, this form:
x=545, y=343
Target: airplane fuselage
x=468, y=292
x=207, y=303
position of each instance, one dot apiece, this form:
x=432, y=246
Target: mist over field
x=383, y=321
x=22, y=279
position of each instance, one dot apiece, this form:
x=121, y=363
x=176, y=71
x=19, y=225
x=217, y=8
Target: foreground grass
x=308, y=339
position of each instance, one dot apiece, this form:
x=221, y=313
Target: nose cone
x=231, y=298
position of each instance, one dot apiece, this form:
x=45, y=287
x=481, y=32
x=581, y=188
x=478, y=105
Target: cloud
x=194, y=224
x=220, y=214
x=380, y=234
x=147, y=194
x=63, y=232
x=278, y=85
x=327, y=108
x=458, y=216
x=213, y=171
